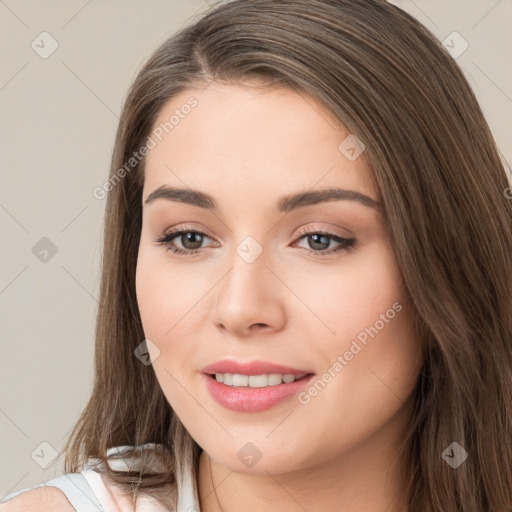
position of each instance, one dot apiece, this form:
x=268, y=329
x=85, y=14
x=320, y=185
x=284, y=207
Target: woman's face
x=271, y=271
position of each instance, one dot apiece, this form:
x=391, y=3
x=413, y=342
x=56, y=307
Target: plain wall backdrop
x=65, y=70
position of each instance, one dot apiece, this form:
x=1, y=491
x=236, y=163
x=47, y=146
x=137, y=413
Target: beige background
x=59, y=117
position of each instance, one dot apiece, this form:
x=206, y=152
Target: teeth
x=256, y=381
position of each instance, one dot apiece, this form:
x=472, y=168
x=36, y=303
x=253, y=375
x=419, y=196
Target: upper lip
x=255, y=367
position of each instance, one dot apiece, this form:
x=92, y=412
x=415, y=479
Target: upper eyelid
x=302, y=229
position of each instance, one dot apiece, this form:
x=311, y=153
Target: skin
x=247, y=148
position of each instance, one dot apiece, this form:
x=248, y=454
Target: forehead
x=261, y=140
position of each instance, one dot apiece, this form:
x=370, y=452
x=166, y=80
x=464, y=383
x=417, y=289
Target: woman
x=305, y=298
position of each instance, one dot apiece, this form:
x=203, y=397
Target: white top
x=88, y=492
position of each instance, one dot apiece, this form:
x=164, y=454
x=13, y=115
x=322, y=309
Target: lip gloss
x=247, y=399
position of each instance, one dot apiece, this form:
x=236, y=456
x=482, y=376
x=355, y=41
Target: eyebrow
x=284, y=204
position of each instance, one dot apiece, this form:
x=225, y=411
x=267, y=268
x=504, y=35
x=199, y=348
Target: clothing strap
x=74, y=486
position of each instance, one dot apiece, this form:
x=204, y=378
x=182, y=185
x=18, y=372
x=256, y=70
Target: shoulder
x=42, y=499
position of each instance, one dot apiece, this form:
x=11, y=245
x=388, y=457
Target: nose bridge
x=247, y=296
x=248, y=273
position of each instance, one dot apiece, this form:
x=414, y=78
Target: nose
x=249, y=299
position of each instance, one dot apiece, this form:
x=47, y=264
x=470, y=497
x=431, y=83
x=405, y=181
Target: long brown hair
x=442, y=185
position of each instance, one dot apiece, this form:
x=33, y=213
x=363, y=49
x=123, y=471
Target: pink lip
x=250, y=368
x=247, y=399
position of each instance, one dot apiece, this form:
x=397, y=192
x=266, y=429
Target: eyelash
x=346, y=244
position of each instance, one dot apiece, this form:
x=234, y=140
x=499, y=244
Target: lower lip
x=247, y=399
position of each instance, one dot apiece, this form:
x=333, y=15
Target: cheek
x=165, y=305
x=370, y=329
x=350, y=298
x=165, y=296
x=152, y=299
x=371, y=362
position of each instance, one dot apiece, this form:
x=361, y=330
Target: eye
x=320, y=240
x=191, y=241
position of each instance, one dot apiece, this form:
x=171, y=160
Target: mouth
x=238, y=380
x=254, y=393
x=255, y=370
